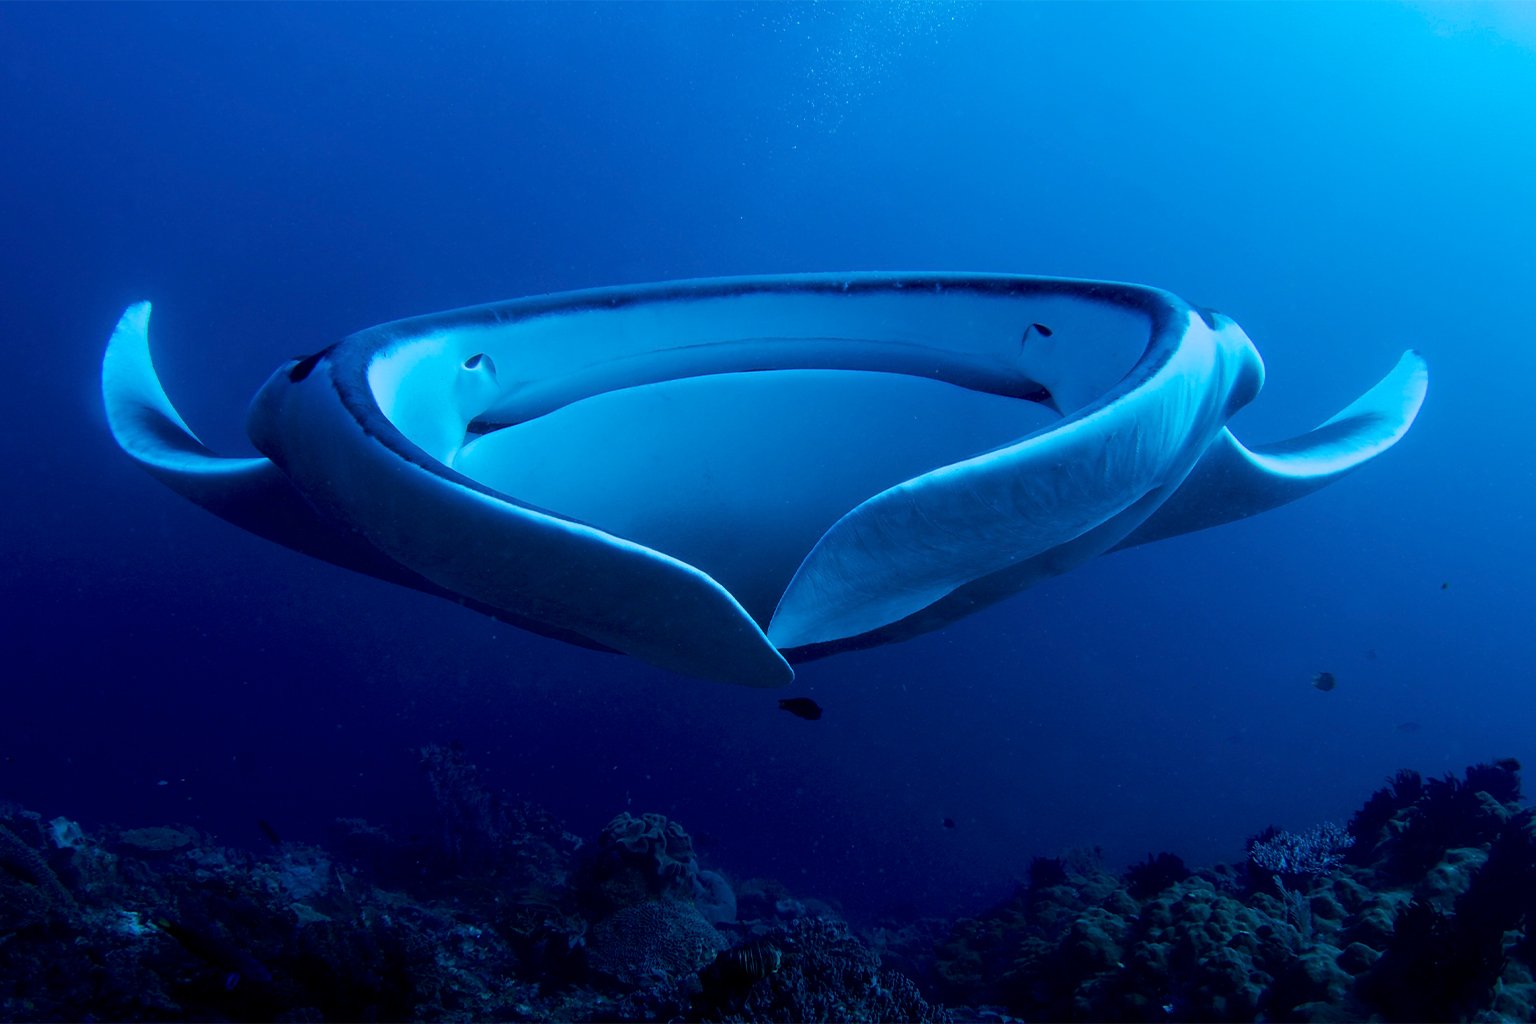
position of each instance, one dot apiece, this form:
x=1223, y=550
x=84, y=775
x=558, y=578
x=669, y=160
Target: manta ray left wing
x=251, y=493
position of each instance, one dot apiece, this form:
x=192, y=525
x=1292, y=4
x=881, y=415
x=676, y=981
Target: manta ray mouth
x=686, y=428
x=691, y=467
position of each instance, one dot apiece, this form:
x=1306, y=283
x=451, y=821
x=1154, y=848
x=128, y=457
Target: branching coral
x=25, y=862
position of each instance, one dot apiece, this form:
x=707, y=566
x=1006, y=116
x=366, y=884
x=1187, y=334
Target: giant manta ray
x=722, y=477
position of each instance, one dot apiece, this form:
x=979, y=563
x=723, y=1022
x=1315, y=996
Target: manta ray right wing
x=1232, y=482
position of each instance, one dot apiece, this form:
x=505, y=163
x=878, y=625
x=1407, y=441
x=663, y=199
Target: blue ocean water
x=1346, y=181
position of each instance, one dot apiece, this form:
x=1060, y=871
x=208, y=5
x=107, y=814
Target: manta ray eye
x=479, y=360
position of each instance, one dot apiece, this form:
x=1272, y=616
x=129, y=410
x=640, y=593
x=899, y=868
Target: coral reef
x=714, y=897
x=656, y=939
x=1418, y=912
x=1155, y=874
x=38, y=886
x=814, y=969
x=1316, y=851
x=639, y=858
x=1428, y=915
x=484, y=834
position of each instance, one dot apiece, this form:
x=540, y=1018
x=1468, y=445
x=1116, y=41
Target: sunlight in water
x=850, y=52
x=1514, y=22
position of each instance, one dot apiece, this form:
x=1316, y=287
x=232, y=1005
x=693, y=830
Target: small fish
x=1408, y=727
x=268, y=831
x=1040, y=394
x=949, y=822
x=1445, y=586
x=801, y=707
x=1324, y=681
x=745, y=964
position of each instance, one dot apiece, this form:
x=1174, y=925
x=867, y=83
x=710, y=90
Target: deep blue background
x=1345, y=181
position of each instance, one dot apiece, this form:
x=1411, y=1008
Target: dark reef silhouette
x=1421, y=909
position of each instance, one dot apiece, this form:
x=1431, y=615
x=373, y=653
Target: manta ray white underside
x=723, y=476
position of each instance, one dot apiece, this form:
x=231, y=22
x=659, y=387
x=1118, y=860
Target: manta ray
x=726, y=477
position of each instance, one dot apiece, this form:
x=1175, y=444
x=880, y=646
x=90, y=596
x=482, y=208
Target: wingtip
x=126, y=365
x=143, y=421
x=129, y=336
x=1413, y=370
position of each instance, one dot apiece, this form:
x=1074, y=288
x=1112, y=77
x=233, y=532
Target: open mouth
x=739, y=474
x=732, y=433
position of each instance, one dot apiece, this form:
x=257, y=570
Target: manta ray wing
x=1232, y=482
x=251, y=493
x=1006, y=519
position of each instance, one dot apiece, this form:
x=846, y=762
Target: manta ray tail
x=1232, y=482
